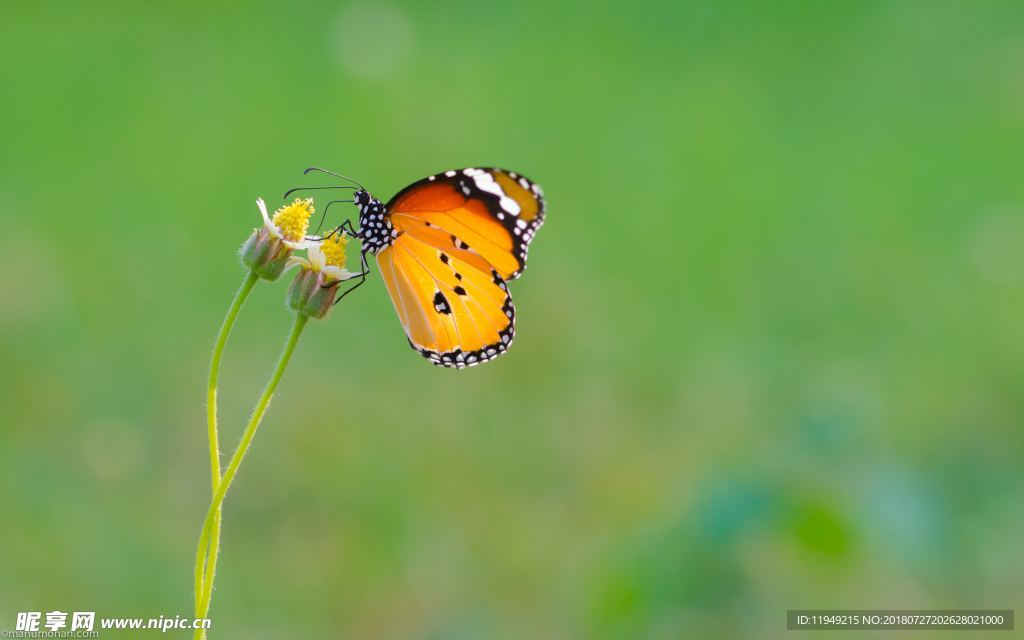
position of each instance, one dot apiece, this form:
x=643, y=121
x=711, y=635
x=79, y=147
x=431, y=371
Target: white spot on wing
x=486, y=182
x=510, y=205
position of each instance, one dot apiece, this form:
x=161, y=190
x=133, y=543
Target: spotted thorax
x=376, y=232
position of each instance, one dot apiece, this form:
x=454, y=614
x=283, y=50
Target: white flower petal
x=316, y=256
x=338, y=273
x=299, y=244
x=263, y=210
x=296, y=261
x=269, y=224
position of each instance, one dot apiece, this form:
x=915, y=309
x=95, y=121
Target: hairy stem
x=206, y=590
x=211, y=418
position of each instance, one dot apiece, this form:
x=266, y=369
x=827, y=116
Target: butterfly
x=446, y=247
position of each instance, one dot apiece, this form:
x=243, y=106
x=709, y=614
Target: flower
x=327, y=257
x=268, y=249
x=290, y=222
x=313, y=291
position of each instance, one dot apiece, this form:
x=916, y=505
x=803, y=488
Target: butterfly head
x=361, y=197
x=369, y=207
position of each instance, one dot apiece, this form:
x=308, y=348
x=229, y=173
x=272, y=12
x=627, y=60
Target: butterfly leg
x=347, y=228
x=361, y=276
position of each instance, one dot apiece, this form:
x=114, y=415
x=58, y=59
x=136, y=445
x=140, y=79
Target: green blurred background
x=769, y=351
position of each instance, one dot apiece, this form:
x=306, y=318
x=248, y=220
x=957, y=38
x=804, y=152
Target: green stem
x=211, y=415
x=206, y=591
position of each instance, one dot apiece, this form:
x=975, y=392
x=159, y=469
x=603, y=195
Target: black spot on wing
x=441, y=304
x=459, y=359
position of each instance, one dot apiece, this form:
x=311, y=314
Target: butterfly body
x=376, y=232
x=446, y=247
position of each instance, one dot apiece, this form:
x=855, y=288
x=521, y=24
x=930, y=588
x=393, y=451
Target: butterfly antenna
x=291, y=191
x=323, y=216
x=336, y=175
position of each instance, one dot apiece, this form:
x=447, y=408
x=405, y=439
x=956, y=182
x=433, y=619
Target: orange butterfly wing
x=460, y=236
x=496, y=212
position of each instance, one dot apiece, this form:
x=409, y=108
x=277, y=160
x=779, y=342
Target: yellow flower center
x=334, y=250
x=293, y=219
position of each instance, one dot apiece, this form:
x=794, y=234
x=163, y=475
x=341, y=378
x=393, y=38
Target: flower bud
x=265, y=255
x=312, y=293
x=315, y=286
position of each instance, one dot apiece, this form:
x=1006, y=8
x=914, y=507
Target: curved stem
x=211, y=415
x=206, y=591
x=211, y=388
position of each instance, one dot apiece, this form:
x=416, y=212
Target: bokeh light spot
x=996, y=246
x=373, y=40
